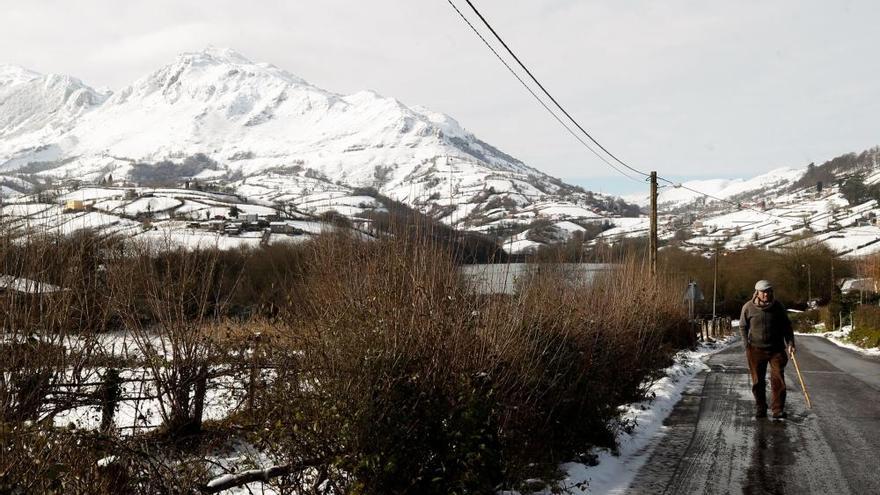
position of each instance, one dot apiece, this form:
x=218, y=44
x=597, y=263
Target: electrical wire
x=738, y=205
x=535, y=95
x=569, y=116
x=555, y=102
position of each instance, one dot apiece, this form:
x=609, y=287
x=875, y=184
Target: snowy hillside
x=215, y=120
x=774, y=210
x=671, y=197
x=215, y=116
x=162, y=216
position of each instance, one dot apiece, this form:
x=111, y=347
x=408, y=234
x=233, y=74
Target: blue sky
x=616, y=185
x=621, y=186
x=690, y=88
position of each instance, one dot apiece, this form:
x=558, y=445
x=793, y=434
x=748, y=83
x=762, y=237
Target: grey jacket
x=767, y=328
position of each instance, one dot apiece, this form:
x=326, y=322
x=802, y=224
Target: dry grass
x=417, y=385
x=388, y=374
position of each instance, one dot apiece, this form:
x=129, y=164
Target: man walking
x=766, y=331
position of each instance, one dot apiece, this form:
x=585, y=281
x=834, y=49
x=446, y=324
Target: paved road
x=713, y=444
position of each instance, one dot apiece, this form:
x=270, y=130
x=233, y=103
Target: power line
x=732, y=203
x=535, y=95
x=569, y=116
x=555, y=102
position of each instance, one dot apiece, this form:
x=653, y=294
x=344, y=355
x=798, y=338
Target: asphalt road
x=712, y=442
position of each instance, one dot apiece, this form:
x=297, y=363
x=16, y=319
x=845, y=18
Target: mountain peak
x=218, y=112
x=218, y=54
x=16, y=74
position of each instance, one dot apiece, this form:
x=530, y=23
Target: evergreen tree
x=835, y=307
x=854, y=190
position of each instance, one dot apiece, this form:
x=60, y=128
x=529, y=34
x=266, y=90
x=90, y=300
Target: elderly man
x=766, y=331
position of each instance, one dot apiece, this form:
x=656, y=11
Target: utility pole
x=451, y=208
x=652, y=247
x=809, y=283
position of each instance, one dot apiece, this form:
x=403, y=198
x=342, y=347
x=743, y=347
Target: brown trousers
x=758, y=361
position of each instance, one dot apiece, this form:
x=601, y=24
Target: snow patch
x=613, y=474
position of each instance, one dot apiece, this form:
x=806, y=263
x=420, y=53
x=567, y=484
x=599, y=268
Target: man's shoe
x=780, y=415
x=761, y=413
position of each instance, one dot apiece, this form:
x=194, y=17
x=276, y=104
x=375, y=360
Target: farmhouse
x=858, y=285
x=72, y=205
x=281, y=228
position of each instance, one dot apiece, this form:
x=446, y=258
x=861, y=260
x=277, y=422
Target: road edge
x=614, y=473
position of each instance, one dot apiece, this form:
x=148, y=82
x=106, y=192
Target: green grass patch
x=805, y=322
x=867, y=327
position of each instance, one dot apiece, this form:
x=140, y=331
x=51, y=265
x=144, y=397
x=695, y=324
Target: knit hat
x=763, y=285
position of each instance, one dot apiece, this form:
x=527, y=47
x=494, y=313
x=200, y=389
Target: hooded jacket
x=765, y=327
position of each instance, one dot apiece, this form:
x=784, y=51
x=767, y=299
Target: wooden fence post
x=201, y=389
x=254, y=373
x=109, y=398
x=137, y=401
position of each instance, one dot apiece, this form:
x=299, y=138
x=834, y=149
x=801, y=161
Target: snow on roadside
x=841, y=338
x=613, y=474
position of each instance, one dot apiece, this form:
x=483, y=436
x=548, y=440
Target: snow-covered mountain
x=216, y=116
x=834, y=204
x=672, y=197
x=36, y=114
x=225, y=123
x=41, y=106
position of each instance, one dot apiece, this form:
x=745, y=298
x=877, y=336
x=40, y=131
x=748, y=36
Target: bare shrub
x=43, y=459
x=571, y=353
x=405, y=381
x=51, y=302
x=370, y=366
x=271, y=281
x=46, y=460
x=168, y=298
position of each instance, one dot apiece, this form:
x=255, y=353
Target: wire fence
x=245, y=382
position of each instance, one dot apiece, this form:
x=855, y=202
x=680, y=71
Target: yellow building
x=73, y=205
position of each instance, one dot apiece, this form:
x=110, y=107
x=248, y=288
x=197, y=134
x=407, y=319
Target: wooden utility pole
x=652, y=247
x=451, y=208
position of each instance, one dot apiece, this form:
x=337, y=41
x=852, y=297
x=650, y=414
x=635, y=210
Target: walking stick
x=801, y=379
